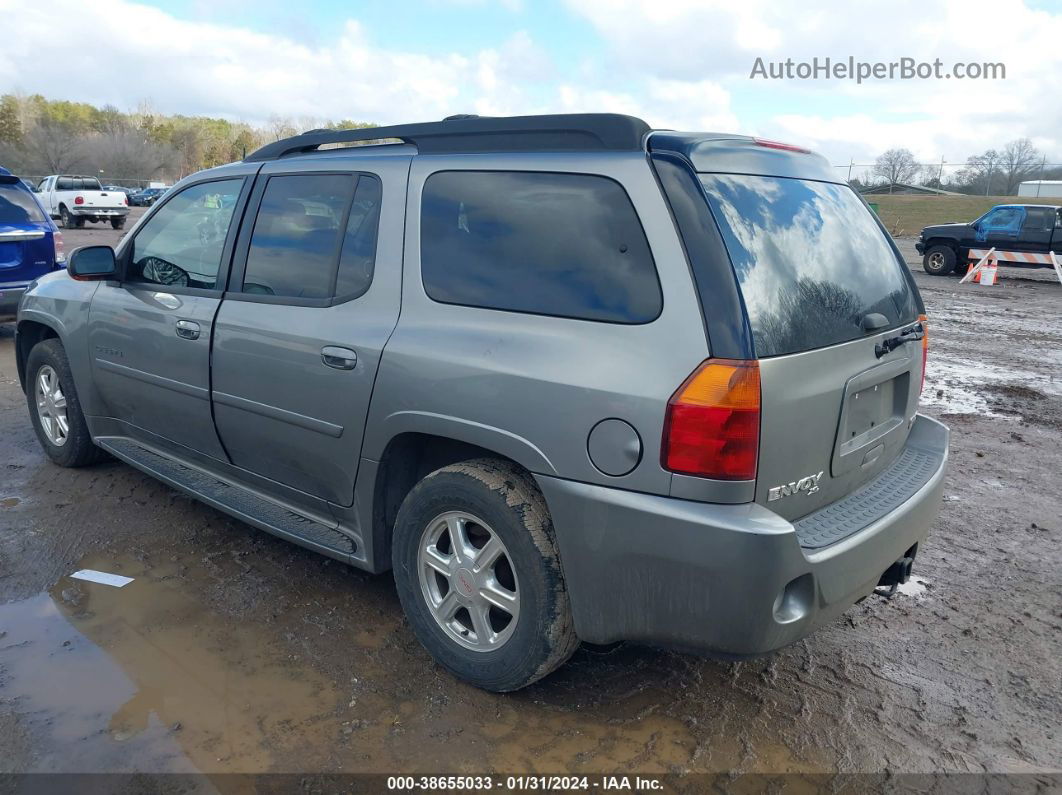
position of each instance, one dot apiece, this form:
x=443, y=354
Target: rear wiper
x=890, y=344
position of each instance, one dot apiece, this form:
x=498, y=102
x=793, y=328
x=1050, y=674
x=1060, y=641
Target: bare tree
x=979, y=171
x=53, y=147
x=896, y=166
x=129, y=156
x=1019, y=160
x=281, y=127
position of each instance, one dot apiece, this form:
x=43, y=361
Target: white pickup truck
x=78, y=199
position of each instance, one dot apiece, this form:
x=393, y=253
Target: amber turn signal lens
x=712, y=426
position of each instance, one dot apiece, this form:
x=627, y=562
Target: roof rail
x=569, y=132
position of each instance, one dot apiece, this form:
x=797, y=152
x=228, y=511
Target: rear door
x=313, y=299
x=26, y=247
x=822, y=286
x=1037, y=229
x=150, y=335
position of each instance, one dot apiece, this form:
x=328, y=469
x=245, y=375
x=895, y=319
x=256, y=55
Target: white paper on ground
x=102, y=577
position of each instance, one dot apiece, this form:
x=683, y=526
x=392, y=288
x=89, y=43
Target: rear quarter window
x=17, y=206
x=810, y=260
x=566, y=245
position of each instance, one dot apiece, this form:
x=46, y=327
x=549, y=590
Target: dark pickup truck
x=1031, y=229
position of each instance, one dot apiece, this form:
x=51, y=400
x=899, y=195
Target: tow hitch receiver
x=896, y=575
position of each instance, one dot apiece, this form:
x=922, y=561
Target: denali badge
x=808, y=485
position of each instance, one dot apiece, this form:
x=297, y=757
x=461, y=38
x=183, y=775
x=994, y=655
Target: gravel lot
x=234, y=651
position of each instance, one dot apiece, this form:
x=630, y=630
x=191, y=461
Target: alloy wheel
x=51, y=406
x=468, y=581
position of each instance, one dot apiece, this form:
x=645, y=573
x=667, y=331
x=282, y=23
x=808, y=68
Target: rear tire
x=117, y=223
x=487, y=504
x=65, y=218
x=939, y=261
x=53, y=403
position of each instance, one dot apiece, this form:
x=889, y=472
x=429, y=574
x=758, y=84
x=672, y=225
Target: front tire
x=478, y=573
x=939, y=261
x=55, y=409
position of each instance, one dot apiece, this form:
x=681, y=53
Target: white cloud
x=113, y=54
x=693, y=40
x=682, y=64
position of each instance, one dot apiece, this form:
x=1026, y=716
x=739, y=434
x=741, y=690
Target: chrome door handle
x=339, y=358
x=188, y=329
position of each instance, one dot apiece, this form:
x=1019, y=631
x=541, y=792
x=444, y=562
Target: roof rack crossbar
x=572, y=132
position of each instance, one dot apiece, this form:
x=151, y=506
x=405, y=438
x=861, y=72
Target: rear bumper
x=726, y=579
x=100, y=212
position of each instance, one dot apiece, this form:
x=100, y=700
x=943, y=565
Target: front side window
x=297, y=236
x=567, y=245
x=1004, y=218
x=181, y=245
x=358, y=257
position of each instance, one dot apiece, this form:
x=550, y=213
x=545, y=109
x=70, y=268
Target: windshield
x=810, y=260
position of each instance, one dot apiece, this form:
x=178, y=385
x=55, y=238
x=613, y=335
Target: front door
x=150, y=334
x=311, y=304
x=1001, y=227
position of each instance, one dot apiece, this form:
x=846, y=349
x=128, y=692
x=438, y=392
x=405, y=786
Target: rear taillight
x=79, y=200
x=60, y=254
x=125, y=200
x=925, y=349
x=712, y=426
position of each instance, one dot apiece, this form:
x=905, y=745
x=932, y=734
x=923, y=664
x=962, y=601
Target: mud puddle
x=143, y=672
x=150, y=676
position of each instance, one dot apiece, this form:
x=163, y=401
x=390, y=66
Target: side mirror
x=92, y=262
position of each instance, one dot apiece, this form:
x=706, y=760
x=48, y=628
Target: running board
x=235, y=500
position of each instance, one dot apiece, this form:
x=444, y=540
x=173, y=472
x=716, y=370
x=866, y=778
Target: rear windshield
x=17, y=206
x=810, y=260
x=78, y=183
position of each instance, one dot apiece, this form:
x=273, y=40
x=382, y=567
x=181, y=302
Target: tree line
x=39, y=136
x=995, y=172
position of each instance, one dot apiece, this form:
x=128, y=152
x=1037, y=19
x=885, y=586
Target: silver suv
x=569, y=378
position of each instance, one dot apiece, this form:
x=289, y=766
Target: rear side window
x=810, y=260
x=568, y=245
x=1040, y=218
x=297, y=235
x=17, y=206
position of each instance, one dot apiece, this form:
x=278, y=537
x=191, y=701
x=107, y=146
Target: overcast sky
x=681, y=64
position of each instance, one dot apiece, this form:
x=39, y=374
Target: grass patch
x=907, y=215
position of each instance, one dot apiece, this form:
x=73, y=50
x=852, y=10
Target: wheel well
x=941, y=241
x=408, y=458
x=29, y=334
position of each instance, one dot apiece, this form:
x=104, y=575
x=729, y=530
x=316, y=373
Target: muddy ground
x=234, y=651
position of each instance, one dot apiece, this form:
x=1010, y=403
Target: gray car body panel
x=279, y=410
x=515, y=383
x=701, y=562
x=698, y=576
